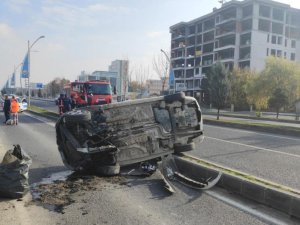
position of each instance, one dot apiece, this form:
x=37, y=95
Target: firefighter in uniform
x=61, y=104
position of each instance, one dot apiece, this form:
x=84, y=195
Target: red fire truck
x=89, y=92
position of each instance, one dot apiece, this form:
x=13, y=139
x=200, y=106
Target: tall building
x=154, y=87
x=240, y=33
x=121, y=67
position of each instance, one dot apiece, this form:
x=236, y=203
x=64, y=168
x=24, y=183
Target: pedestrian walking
x=6, y=108
x=14, y=108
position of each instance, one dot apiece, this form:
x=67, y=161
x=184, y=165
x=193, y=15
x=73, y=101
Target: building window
x=199, y=27
x=267, y=51
x=246, y=25
x=279, y=40
x=264, y=11
x=268, y=38
x=293, y=56
x=264, y=25
x=273, y=52
x=293, y=43
x=278, y=14
x=273, y=39
x=285, y=55
x=279, y=53
x=277, y=28
x=247, y=11
x=285, y=42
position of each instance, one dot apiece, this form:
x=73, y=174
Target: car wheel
x=174, y=97
x=77, y=116
x=178, y=148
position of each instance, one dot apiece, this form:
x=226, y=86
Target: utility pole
x=28, y=55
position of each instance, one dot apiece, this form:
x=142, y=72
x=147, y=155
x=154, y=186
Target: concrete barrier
x=282, y=200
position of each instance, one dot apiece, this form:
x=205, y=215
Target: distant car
x=22, y=103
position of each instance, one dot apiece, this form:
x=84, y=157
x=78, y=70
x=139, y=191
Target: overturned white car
x=104, y=138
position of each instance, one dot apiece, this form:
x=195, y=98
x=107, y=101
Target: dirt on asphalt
x=58, y=194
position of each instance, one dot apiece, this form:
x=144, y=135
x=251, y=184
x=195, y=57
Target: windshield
x=98, y=89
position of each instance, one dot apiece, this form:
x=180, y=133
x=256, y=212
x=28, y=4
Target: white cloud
x=106, y=8
x=18, y=5
x=54, y=47
x=99, y=8
x=155, y=34
x=5, y=31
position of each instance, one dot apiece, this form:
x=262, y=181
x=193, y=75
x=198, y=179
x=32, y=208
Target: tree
x=56, y=86
x=161, y=66
x=40, y=93
x=218, y=86
x=256, y=93
x=283, y=74
x=239, y=80
x=278, y=100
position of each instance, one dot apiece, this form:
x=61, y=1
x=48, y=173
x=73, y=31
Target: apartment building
x=240, y=33
x=122, y=68
x=155, y=86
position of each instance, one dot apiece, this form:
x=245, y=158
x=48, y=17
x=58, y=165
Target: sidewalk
x=2, y=151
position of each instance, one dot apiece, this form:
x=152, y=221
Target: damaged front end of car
x=106, y=137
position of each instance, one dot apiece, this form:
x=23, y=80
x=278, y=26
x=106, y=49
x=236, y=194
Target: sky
x=87, y=35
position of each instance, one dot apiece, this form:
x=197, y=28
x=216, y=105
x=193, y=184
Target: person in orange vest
x=14, y=108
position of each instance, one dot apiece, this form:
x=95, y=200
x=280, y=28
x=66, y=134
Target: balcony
x=207, y=63
x=226, y=20
x=178, y=67
x=225, y=33
x=224, y=47
x=178, y=36
x=177, y=57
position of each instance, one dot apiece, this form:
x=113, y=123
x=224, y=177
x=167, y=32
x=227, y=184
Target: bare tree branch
x=161, y=67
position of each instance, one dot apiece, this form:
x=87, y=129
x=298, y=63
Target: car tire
x=178, y=148
x=110, y=170
x=77, y=116
x=175, y=97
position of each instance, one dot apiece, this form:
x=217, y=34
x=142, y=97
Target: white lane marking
x=40, y=119
x=252, y=132
x=255, y=147
x=252, y=211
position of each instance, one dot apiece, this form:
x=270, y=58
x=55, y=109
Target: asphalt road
x=272, y=157
x=140, y=201
x=48, y=105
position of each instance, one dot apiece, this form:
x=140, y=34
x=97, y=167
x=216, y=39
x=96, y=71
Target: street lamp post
x=15, y=69
x=28, y=55
x=168, y=58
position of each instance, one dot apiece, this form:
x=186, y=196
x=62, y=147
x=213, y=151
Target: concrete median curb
x=253, y=118
x=275, y=129
x=277, y=196
x=48, y=115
